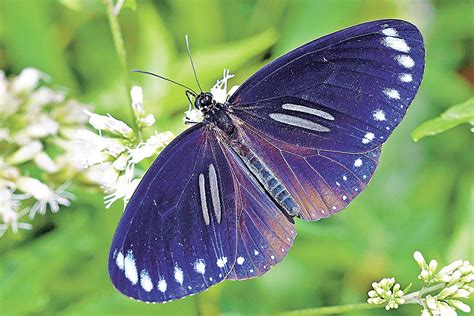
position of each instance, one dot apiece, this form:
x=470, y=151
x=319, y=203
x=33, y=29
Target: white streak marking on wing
x=299, y=122
x=216, y=203
x=202, y=193
x=308, y=110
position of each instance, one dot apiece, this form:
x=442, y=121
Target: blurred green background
x=421, y=198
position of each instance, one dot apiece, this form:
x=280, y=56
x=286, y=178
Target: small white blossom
x=386, y=292
x=9, y=205
x=137, y=100
x=193, y=116
x=123, y=188
x=25, y=153
x=219, y=90
x=26, y=81
x=44, y=195
x=109, y=124
x=45, y=162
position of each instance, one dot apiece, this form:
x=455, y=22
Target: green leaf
x=454, y=116
x=131, y=4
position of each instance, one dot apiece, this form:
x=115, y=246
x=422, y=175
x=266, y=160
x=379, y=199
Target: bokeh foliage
x=421, y=198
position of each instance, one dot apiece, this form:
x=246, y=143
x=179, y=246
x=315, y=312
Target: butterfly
x=300, y=138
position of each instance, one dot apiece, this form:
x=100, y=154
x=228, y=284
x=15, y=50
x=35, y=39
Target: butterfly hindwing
x=177, y=236
x=264, y=234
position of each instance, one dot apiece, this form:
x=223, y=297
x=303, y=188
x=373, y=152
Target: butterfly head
x=204, y=102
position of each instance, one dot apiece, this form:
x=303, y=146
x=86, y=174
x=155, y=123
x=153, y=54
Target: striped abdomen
x=270, y=182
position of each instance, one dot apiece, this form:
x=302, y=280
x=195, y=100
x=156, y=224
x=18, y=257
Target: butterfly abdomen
x=267, y=179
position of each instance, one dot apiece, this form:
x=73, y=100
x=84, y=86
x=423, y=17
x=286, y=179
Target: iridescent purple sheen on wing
x=163, y=248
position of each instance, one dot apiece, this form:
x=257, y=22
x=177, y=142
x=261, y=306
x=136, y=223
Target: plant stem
x=414, y=298
x=331, y=309
x=122, y=54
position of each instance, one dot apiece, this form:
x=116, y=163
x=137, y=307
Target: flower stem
x=122, y=54
x=331, y=309
x=415, y=297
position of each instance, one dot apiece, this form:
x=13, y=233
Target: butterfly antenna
x=164, y=78
x=192, y=64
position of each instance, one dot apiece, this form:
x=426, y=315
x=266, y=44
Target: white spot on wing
x=368, y=137
x=145, y=281
x=255, y=252
x=130, y=268
x=390, y=32
x=202, y=193
x=344, y=178
x=240, y=260
x=392, y=93
x=405, y=77
x=298, y=122
x=221, y=262
x=405, y=61
x=119, y=261
x=396, y=44
x=379, y=115
x=162, y=285
x=358, y=162
x=178, y=275
x=272, y=256
x=344, y=197
x=200, y=266
x=308, y=110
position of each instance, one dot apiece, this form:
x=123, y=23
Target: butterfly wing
x=318, y=115
x=177, y=236
x=264, y=234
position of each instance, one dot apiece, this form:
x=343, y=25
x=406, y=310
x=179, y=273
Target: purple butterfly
x=300, y=138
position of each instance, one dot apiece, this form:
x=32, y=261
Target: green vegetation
x=421, y=198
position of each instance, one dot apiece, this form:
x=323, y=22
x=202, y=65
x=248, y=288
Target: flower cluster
x=457, y=280
x=451, y=283
x=386, y=292
x=108, y=157
x=32, y=119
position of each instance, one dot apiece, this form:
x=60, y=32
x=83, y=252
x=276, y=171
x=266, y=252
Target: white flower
x=26, y=81
x=109, y=124
x=193, y=116
x=123, y=188
x=137, y=100
x=41, y=127
x=386, y=291
x=44, y=96
x=9, y=205
x=143, y=120
x=25, y=153
x=151, y=147
x=219, y=90
x=43, y=161
x=44, y=195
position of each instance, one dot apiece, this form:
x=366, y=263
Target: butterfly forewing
x=346, y=91
x=318, y=115
x=178, y=234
